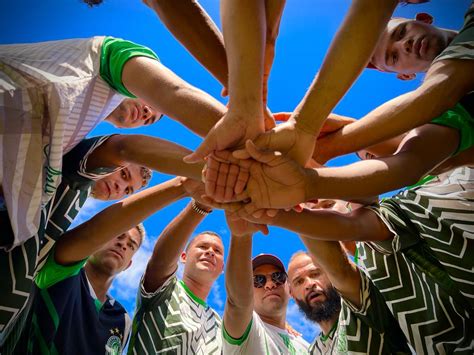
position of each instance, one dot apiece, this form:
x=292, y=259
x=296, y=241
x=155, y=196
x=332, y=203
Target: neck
x=276, y=320
x=99, y=280
x=199, y=288
x=326, y=325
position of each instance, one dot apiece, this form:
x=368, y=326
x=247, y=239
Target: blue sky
x=306, y=30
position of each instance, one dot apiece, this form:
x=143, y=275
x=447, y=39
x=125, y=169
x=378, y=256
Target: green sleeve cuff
x=115, y=52
x=52, y=273
x=458, y=118
x=236, y=341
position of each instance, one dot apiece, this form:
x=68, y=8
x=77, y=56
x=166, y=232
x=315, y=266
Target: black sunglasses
x=278, y=278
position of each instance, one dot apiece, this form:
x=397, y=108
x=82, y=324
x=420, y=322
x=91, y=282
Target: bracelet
x=198, y=209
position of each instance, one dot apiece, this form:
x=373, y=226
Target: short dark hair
x=92, y=3
x=214, y=234
x=146, y=175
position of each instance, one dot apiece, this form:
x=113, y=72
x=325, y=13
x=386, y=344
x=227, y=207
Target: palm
x=233, y=130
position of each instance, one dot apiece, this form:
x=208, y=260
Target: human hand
x=195, y=190
x=240, y=227
x=275, y=180
x=232, y=130
x=286, y=138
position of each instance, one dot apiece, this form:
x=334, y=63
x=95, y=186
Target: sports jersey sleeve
x=150, y=299
x=75, y=170
x=461, y=46
x=392, y=216
x=115, y=52
x=52, y=273
x=459, y=119
x=247, y=343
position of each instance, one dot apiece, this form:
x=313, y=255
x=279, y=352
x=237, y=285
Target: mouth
x=314, y=296
x=208, y=261
x=115, y=252
x=108, y=190
x=271, y=295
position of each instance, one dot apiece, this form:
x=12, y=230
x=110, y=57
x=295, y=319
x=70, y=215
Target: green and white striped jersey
x=172, y=320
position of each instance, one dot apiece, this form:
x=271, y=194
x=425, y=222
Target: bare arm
x=192, y=26
x=151, y=81
x=238, y=281
x=155, y=153
x=445, y=84
x=87, y=238
x=169, y=246
x=342, y=273
x=419, y=153
x=357, y=36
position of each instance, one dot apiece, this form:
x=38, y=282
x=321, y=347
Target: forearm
x=167, y=93
x=438, y=93
x=239, y=287
x=157, y=154
x=244, y=27
x=116, y=219
x=193, y=27
x=169, y=247
x=346, y=58
x=342, y=273
x=360, y=224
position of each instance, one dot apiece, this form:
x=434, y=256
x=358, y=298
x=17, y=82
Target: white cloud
x=298, y=321
x=216, y=297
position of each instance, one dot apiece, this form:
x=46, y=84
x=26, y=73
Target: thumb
x=260, y=155
x=262, y=142
x=204, y=149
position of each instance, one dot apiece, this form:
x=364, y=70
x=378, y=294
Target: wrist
x=200, y=208
x=310, y=184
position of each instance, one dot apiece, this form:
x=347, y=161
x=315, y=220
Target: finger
x=259, y=154
x=241, y=154
x=212, y=172
x=206, y=148
x=262, y=228
x=269, y=120
x=244, y=195
x=282, y=116
x=271, y=212
x=224, y=92
x=223, y=172
x=242, y=180
x=230, y=184
x=224, y=156
x=298, y=208
x=232, y=207
x=258, y=213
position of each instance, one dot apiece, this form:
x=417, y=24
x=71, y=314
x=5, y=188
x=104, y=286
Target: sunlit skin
x=116, y=255
x=410, y=46
x=204, y=258
x=132, y=113
x=270, y=300
x=118, y=184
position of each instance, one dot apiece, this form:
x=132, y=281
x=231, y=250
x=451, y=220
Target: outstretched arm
x=168, y=248
x=151, y=81
x=238, y=281
x=155, y=153
x=446, y=82
x=194, y=28
x=342, y=273
x=87, y=238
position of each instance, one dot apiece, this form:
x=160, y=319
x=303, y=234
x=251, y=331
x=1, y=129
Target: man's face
x=133, y=113
x=204, y=257
x=273, y=297
x=312, y=290
x=408, y=46
x=117, y=254
x=119, y=184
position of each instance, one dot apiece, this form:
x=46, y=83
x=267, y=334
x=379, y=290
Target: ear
x=182, y=258
x=424, y=17
x=406, y=76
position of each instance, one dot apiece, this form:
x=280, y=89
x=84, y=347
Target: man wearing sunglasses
x=257, y=298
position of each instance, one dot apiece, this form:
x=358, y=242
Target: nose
x=120, y=186
x=269, y=284
x=121, y=244
x=147, y=112
x=210, y=252
x=407, y=45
